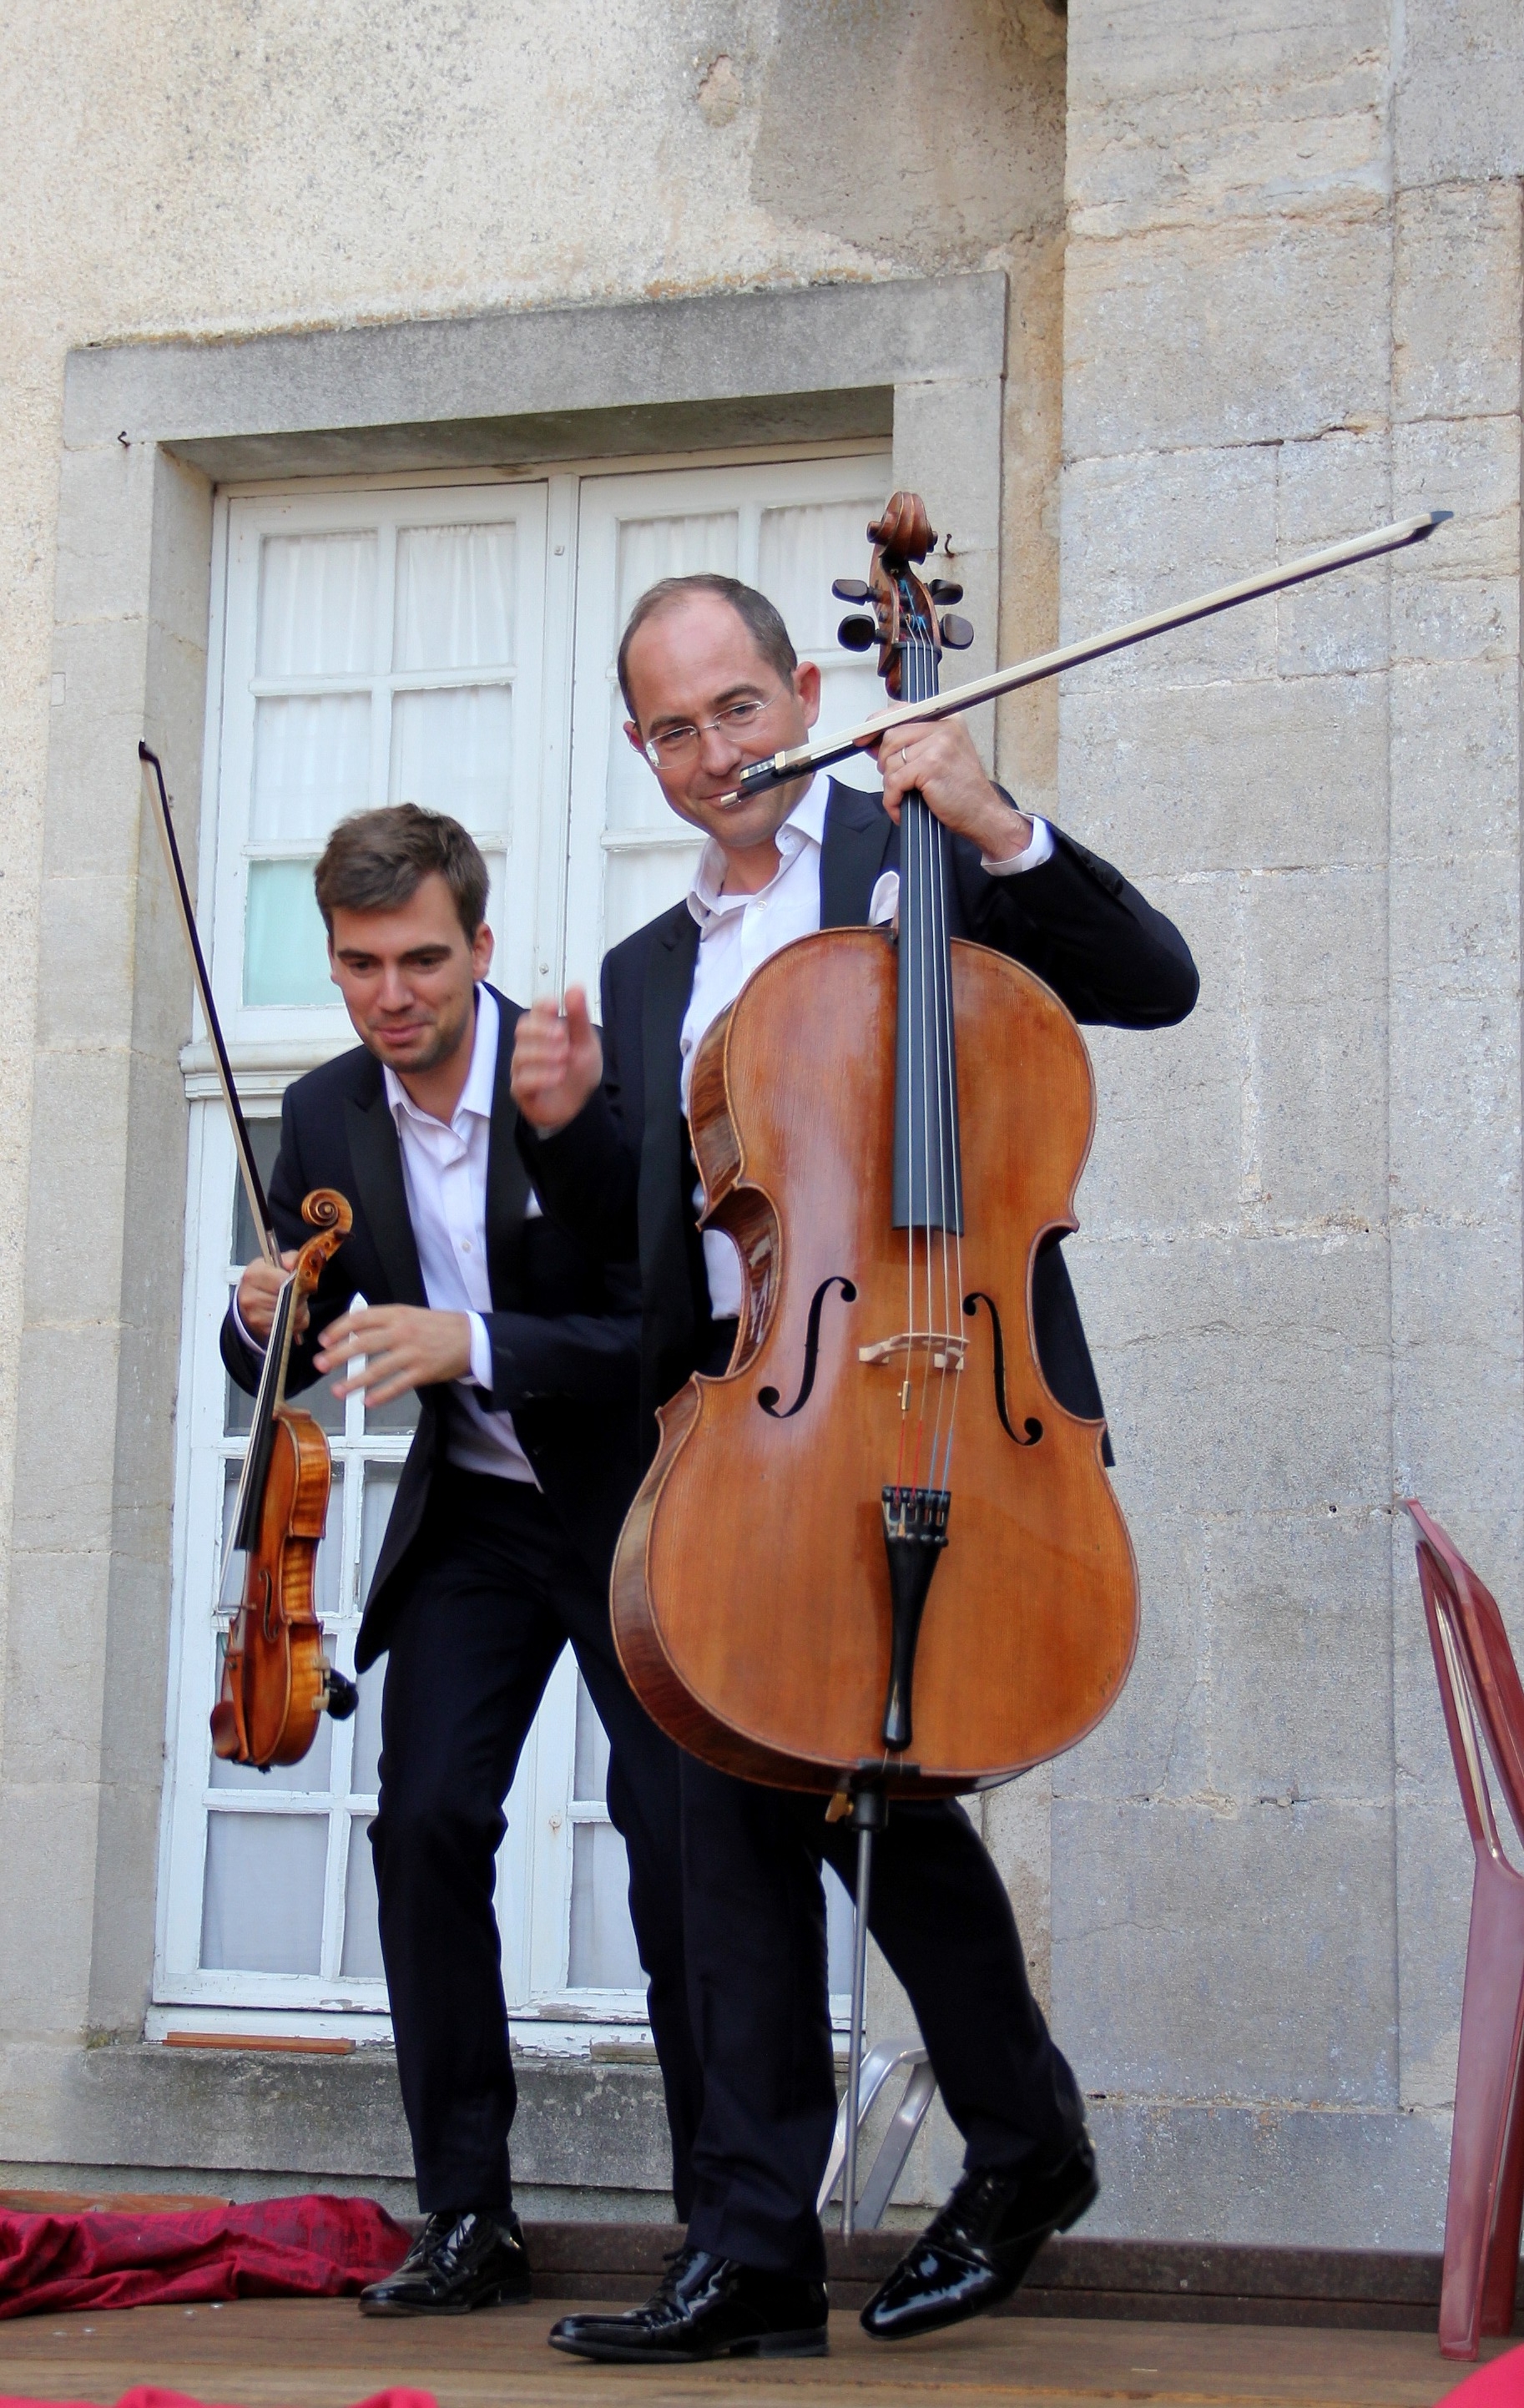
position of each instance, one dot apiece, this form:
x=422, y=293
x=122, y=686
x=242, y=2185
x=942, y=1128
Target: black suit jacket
x=621, y=1175
x=564, y=1328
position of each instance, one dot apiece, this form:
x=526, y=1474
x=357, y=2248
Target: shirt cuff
x=255, y=1345
x=1037, y=852
x=481, y=1352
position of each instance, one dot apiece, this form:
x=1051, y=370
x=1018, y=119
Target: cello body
x=752, y=1588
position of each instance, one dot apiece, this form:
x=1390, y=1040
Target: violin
x=924, y=1584
x=276, y=1680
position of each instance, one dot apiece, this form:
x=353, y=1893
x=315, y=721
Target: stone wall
x=1293, y=310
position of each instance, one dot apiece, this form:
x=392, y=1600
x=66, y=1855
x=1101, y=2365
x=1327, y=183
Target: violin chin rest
x=339, y=1697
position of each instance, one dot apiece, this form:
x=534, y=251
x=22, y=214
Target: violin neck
x=927, y=1169
x=271, y=1396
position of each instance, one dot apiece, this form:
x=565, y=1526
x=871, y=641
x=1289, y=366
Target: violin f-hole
x=768, y=1397
x=1031, y=1426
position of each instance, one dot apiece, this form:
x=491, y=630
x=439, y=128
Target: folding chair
x=1484, y=1714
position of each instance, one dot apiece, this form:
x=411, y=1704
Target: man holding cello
x=711, y=683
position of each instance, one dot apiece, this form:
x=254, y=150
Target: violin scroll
x=328, y=1212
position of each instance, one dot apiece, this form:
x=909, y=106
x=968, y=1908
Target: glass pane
x=590, y=1766
x=317, y=604
x=837, y=1934
x=264, y=1139
x=603, y=1952
x=319, y=1400
x=364, y=1779
x=452, y=751
x=799, y=550
x=375, y=1513
x=262, y=1907
x=400, y=1414
x=638, y=885
x=312, y=765
x=314, y=1772
x=285, y=954
x=454, y=597
x=362, y=1957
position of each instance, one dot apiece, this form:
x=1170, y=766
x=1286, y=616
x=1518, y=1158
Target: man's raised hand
x=558, y=1061
x=386, y=1348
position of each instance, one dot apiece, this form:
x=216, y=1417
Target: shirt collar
x=805, y=824
x=476, y=1095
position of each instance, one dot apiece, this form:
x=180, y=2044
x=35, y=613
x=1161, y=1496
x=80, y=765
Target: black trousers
x=495, y=1593
x=755, y=1932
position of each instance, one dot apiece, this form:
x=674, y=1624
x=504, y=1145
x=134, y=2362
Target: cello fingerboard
x=928, y=1164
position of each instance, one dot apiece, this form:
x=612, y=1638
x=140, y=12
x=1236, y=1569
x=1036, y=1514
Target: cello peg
x=851, y=589
x=858, y=633
x=956, y=634
x=941, y=590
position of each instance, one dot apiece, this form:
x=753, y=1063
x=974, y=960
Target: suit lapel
x=860, y=842
x=380, y=1191
x=669, y=984
x=508, y=1181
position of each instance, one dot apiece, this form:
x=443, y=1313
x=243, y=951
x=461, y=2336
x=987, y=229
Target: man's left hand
x=404, y=1346
x=937, y=758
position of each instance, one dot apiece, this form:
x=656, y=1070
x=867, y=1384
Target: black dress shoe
x=980, y=2247
x=707, y=2307
x=457, y=2263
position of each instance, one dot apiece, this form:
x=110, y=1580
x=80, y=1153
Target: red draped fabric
x=314, y=2247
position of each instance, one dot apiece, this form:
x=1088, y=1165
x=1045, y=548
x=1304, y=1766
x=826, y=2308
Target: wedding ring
x=903, y=754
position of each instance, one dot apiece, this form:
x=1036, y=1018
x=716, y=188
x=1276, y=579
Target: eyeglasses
x=675, y=744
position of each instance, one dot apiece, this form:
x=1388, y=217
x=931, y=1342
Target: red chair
x=1484, y=1714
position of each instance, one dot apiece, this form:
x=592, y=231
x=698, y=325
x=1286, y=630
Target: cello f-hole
x=1031, y=1426
x=768, y=1397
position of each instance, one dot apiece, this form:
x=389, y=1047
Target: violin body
x=275, y=1672
x=752, y=1588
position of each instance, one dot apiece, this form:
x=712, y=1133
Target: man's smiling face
x=688, y=663
x=408, y=976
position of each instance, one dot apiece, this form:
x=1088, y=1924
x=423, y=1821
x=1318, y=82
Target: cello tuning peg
x=941, y=590
x=956, y=634
x=851, y=589
x=858, y=632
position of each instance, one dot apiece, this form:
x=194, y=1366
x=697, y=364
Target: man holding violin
x=711, y=683
x=524, y=1353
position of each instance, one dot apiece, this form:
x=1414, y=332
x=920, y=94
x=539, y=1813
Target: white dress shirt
x=739, y=932
x=444, y=1169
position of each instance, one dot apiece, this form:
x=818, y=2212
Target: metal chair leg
x=884, y=2059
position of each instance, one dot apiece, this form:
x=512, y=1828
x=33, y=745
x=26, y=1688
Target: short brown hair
x=761, y=619
x=376, y=861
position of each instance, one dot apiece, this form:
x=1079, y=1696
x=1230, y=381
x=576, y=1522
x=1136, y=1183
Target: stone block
x=1270, y=2176
x=1167, y=1150
x=1455, y=301
x=179, y=590
x=1315, y=1134
x=1455, y=762
x=1472, y=468
x=1459, y=99
x=47, y=1847
x=67, y=1438
x=93, y=776
x=1454, y=936
x=1455, y=1075
x=1328, y=489
x=1267, y=775
x=1455, y=1376
x=1146, y=530
x=86, y=961
x=56, y=1669
x=1247, y=333
x=74, y=1213
x=1239, y=1954
x=1433, y=1913
x=1124, y=51
x=1175, y=1328
x=126, y=1870
x=1148, y=1745
x=105, y=518
x=1016, y=1822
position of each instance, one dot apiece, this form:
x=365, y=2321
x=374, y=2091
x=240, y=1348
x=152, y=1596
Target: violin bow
x=252, y=1183
x=777, y=769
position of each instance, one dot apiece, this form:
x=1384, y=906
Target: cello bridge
x=936, y=1348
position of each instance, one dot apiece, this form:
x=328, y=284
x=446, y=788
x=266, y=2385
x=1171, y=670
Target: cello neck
x=928, y=1166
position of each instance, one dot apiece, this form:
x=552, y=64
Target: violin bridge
x=943, y=1351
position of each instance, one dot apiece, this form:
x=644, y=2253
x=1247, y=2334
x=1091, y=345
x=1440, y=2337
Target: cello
x=276, y=1680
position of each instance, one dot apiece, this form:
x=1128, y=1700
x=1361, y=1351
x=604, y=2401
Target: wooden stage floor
x=323, y=2354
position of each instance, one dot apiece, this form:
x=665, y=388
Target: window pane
x=285, y=958
x=603, y=1952
x=362, y=1957
x=262, y=1910
x=590, y=1767
x=400, y=1414
x=452, y=752
x=264, y=1141
x=636, y=885
x=454, y=597
x=376, y=1510
x=364, y=1778
x=312, y=765
x=317, y=604
x=838, y=1933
